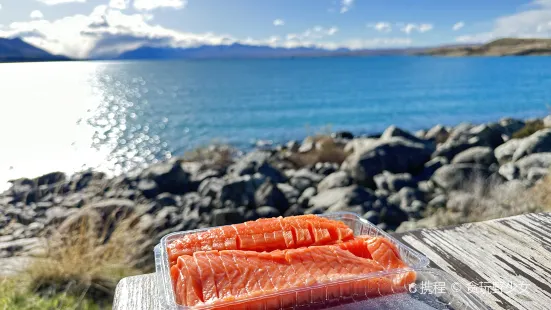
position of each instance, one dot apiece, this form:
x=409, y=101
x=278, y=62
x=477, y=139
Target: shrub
x=528, y=129
x=325, y=150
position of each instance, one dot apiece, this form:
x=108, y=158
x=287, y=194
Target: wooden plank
x=514, y=250
x=500, y=253
x=136, y=293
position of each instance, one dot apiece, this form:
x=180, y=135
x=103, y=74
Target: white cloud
x=458, y=26
x=381, y=26
x=119, y=4
x=409, y=28
x=316, y=32
x=279, y=22
x=55, y=2
x=148, y=5
x=36, y=14
x=346, y=5
x=533, y=22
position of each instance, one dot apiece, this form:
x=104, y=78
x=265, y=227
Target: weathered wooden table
x=506, y=262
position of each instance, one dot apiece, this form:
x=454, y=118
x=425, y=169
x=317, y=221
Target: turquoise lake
x=118, y=115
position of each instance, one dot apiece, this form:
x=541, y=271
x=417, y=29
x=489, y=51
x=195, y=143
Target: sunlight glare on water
x=44, y=129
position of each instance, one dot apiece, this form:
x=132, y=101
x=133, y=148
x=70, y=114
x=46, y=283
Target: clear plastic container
x=360, y=227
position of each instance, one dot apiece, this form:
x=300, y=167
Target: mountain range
x=15, y=50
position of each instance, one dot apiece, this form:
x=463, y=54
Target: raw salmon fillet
x=263, y=235
x=218, y=277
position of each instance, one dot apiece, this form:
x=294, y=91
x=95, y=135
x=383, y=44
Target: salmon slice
x=262, y=274
x=263, y=235
x=386, y=253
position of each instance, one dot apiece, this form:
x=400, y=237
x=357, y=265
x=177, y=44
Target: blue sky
x=82, y=28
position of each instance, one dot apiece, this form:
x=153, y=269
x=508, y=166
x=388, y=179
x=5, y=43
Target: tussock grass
x=529, y=129
x=79, y=269
x=214, y=156
x=325, y=150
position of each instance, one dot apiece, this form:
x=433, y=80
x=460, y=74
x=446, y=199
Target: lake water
x=118, y=115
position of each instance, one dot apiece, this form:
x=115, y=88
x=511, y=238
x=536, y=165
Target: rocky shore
x=397, y=180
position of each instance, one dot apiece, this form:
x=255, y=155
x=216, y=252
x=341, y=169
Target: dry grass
x=81, y=265
x=529, y=129
x=480, y=200
x=325, y=150
x=214, y=156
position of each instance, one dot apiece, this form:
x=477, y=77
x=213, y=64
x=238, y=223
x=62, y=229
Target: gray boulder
x=394, y=131
x=439, y=201
x=148, y=188
x=539, y=162
x=267, y=211
x=509, y=126
x=504, y=153
x=269, y=194
x=170, y=177
x=306, y=195
x=455, y=176
x=509, y=171
x=291, y=193
x=335, y=180
x=304, y=178
x=538, y=142
x=346, y=196
x=222, y=217
x=238, y=192
x=437, y=133
x=477, y=155
x=257, y=162
x=396, y=155
x=393, y=182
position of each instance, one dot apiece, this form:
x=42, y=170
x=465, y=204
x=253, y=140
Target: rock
x=414, y=209
x=211, y=187
x=535, y=174
x=307, y=145
x=431, y=166
x=290, y=192
x=358, y=144
x=395, y=155
x=56, y=215
x=453, y=147
x=257, y=162
x=267, y=211
x=239, y=192
x=346, y=196
x=335, y=180
x=166, y=199
x=80, y=181
x=488, y=135
x=13, y=247
x=477, y=155
x=394, y=131
x=393, y=216
x=294, y=210
x=509, y=171
x=439, y=201
x=325, y=169
x=538, y=142
x=112, y=207
x=43, y=205
x=372, y=216
x=75, y=200
x=437, y=133
x=509, y=126
x=394, y=182
x=304, y=178
x=504, y=153
x=306, y=195
x=269, y=194
x=343, y=135
x=460, y=129
x=547, y=121
x=292, y=146
x=170, y=177
x=420, y=133
x=222, y=217
x=455, y=176
x=50, y=178
x=535, y=161
x=167, y=218
x=148, y=188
